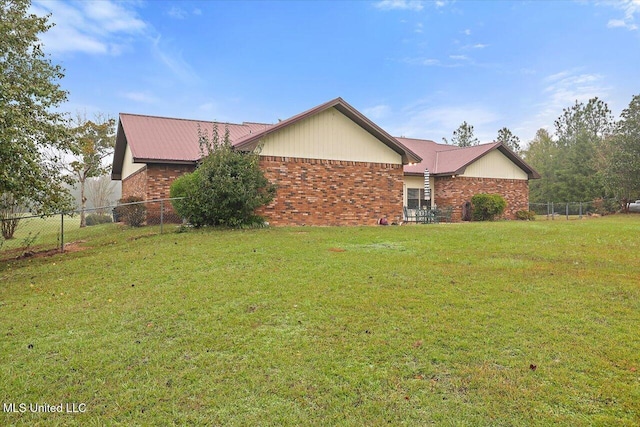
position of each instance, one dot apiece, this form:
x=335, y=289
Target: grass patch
x=434, y=324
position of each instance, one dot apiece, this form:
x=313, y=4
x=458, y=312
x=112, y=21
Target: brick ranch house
x=332, y=165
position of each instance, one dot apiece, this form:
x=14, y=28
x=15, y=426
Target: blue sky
x=416, y=68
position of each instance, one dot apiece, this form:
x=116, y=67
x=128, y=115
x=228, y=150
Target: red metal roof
x=168, y=139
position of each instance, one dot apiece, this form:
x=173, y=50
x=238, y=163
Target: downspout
x=427, y=188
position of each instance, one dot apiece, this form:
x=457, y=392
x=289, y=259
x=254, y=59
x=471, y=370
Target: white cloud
x=480, y=46
x=431, y=62
x=112, y=17
x=174, y=61
x=425, y=121
x=98, y=27
x=617, y=23
x=107, y=27
x=207, y=107
x=562, y=90
x=467, y=32
x=631, y=8
x=377, y=112
x=415, y=5
x=141, y=97
x=177, y=12
x=566, y=87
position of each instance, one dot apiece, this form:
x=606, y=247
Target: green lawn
x=417, y=325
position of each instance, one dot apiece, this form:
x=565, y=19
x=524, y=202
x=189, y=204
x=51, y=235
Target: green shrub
x=132, y=214
x=486, y=207
x=184, y=186
x=226, y=188
x=95, y=219
x=526, y=215
x=605, y=206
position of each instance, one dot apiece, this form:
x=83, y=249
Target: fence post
x=161, y=215
x=61, y=231
x=580, y=210
x=548, y=206
x=553, y=212
x=567, y=211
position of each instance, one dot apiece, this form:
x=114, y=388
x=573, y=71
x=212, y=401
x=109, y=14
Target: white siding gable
x=128, y=166
x=328, y=135
x=494, y=165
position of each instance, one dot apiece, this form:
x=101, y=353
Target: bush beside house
x=486, y=207
x=226, y=188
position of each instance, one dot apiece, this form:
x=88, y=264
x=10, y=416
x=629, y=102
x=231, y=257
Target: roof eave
x=165, y=161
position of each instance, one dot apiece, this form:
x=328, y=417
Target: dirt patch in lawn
x=22, y=253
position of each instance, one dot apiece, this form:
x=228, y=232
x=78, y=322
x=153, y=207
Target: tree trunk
x=83, y=203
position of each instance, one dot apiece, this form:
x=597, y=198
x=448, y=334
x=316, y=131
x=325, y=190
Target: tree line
x=589, y=156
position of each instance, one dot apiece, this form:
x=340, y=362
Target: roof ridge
x=165, y=117
x=256, y=123
x=189, y=120
x=417, y=139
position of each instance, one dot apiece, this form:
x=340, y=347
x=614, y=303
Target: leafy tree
x=543, y=155
x=581, y=131
x=463, y=136
x=622, y=156
x=93, y=141
x=593, y=119
x=509, y=139
x=31, y=130
x=572, y=163
x=226, y=188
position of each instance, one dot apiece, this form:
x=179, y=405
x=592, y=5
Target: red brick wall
x=153, y=182
x=455, y=192
x=332, y=192
x=135, y=184
x=160, y=177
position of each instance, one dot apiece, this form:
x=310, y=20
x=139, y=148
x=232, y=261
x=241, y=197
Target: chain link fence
x=575, y=210
x=25, y=234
